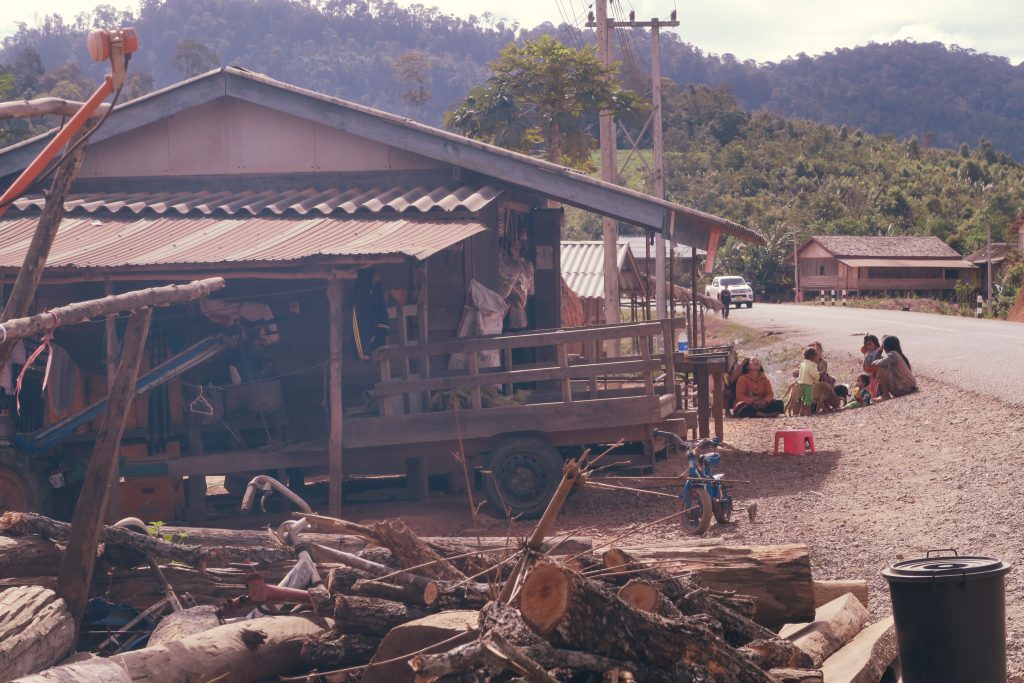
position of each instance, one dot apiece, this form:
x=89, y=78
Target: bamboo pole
x=79, y=559
x=119, y=303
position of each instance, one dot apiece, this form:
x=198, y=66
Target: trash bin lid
x=962, y=567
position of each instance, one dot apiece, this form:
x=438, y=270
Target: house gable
x=228, y=136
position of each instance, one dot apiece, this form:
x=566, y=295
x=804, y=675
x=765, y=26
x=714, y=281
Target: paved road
x=986, y=356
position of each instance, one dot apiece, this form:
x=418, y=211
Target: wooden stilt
x=76, y=567
x=334, y=448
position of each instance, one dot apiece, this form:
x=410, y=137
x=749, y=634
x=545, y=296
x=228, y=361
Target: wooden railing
x=552, y=367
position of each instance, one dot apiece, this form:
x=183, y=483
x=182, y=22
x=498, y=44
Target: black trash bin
x=950, y=614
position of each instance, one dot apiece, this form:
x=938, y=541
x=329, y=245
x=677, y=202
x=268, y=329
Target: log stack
x=405, y=608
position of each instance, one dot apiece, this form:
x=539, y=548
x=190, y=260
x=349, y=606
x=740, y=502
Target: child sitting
x=872, y=352
x=861, y=392
x=807, y=377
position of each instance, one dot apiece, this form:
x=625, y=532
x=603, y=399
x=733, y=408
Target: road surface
x=985, y=356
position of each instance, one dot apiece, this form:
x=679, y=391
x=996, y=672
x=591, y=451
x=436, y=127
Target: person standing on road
x=895, y=378
x=725, y=296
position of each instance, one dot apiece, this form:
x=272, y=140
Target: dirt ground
x=937, y=469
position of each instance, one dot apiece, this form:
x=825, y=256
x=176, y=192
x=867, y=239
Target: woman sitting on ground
x=895, y=377
x=754, y=394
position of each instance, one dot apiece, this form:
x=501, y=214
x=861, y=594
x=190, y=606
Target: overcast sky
x=750, y=29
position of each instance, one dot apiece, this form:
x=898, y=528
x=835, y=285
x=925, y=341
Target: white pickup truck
x=738, y=288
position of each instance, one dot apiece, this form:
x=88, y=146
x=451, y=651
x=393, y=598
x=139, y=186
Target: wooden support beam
x=43, y=106
x=334, y=448
x=31, y=272
x=119, y=303
x=79, y=559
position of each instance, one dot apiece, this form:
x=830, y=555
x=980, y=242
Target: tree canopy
x=543, y=95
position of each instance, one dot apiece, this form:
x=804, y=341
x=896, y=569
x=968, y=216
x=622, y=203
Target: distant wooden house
x=998, y=253
x=583, y=272
x=873, y=265
x=645, y=252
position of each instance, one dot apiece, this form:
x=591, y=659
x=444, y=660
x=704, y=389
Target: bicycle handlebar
x=681, y=442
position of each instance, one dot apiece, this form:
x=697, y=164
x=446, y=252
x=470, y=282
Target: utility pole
x=796, y=271
x=605, y=27
x=988, y=263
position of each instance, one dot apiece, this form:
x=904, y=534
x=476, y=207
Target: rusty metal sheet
x=300, y=202
x=105, y=241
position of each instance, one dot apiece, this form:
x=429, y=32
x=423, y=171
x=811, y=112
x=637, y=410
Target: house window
x=952, y=274
x=821, y=270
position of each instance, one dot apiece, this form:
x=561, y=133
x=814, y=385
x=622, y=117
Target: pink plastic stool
x=794, y=441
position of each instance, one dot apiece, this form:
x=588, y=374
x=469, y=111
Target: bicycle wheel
x=697, y=519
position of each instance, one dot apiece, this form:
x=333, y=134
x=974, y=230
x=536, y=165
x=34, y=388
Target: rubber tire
x=721, y=515
x=750, y=304
x=24, y=486
x=525, y=471
x=691, y=523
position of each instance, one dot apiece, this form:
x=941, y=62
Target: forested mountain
x=420, y=62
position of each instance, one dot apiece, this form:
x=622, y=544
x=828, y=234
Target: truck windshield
x=733, y=281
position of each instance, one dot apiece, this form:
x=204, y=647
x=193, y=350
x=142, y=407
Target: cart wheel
x=697, y=520
x=23, y=488
x=722, y=510
x=525, y=471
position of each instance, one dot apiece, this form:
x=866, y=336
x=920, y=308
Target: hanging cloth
x=370, y=324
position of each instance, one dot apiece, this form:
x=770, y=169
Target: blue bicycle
x=704, y=495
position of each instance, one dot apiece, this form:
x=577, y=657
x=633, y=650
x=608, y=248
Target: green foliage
x=540, y=97
x=193, y=57
x=155, y=530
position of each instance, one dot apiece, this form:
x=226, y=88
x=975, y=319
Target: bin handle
x=942, y=550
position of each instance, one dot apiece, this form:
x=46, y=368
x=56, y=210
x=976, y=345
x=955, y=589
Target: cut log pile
x=397, y=607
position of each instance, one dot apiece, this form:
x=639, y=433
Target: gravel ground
x=937, y=469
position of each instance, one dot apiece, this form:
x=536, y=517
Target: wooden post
x=76, y=567
x=110, y=326
x=670, y=362
x=563, y=364
x=703, y=400
x=693, y=295
x=334, y=447
x=417, y=483
x=31, y=272
x=718, y=408
x=196, y=486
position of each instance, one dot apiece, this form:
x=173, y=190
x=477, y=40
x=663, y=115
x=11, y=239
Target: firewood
x=410, y=552
x=450, y=628
x=796, y=676
x=36, y=630
x=371, y=616
x=379, y=555
x=330, y=650
x=373, y=568
x=690, y=599
x=424, y=596
x=865, y=658
x=28, y=556
x=192, y=555
x=835, y=624
x=774, y=653
x=645, y=596
x=778, y=576
x=827, y=591
x=242, y=652
x=342, y=579
x=182, y=624
x=571, y=611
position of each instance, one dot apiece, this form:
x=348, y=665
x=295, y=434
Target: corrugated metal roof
x=329, y=201
x=123, y=241
x=906, y=263
x=885, y=247
x=583, y=268
x=638, y=244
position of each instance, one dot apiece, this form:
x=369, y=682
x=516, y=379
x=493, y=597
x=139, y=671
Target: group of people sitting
x=886, y=373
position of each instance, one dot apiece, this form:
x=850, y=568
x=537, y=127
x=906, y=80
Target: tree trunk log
x=692, y=600
x=834, y=625
x=571, y=611
x=36, y=631
x=192, y=555
x=43, y=106
x=28, y=556
x=342, y=579
x=243, y=652
x=424, y=596
x=775, y=653
x=865, y=658
x=181, y=625
x=374, y=568
x=329, y=650
x=411, y=552
x=380, y=555
x=451, y=628
x=372, y=616
x=778, y=576
x=645, y=596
